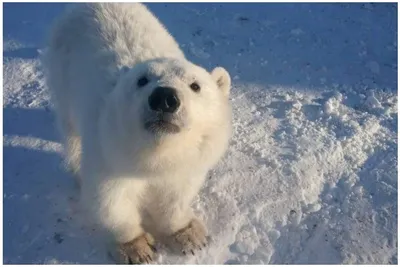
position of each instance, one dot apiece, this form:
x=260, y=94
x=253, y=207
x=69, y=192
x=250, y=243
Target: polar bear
x=141, y=124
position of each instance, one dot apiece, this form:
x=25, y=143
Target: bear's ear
x=223, y=80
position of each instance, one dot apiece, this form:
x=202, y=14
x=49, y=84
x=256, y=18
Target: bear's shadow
x=37, y=123
x=39, y=195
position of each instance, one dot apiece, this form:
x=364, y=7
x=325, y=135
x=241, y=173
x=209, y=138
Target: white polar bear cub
x=141, y=124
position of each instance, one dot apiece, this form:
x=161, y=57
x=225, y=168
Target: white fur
x=95, y=56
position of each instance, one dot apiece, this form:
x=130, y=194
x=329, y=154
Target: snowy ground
x=311, y=173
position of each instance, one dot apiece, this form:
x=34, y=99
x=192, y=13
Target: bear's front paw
x=191, y=237
x=139, y=250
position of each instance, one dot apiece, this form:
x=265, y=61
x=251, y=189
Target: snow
x=311, y=172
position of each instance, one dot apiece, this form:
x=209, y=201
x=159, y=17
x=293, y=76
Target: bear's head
x=170, y=107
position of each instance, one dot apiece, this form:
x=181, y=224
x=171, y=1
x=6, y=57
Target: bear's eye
x=195, y=87
x=142, y=81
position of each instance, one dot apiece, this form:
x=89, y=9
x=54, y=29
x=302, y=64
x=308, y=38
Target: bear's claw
x=138, y=251
x=191, y=237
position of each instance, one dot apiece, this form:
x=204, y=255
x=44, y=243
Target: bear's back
x=91, y=42
x=136, y=34
x=127, y=30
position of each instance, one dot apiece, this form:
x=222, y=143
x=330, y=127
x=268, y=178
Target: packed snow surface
x=311, y=172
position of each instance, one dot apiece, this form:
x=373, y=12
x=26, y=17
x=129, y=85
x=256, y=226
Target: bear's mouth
x=161, y=126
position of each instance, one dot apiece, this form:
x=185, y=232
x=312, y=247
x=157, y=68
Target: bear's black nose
x=164, y=99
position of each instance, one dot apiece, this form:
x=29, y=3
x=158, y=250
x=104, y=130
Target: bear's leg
x=73, y=151
x=185, y=233
x=119, y=214
x=72, y=144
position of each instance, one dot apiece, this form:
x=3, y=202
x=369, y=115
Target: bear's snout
x=164, y=99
